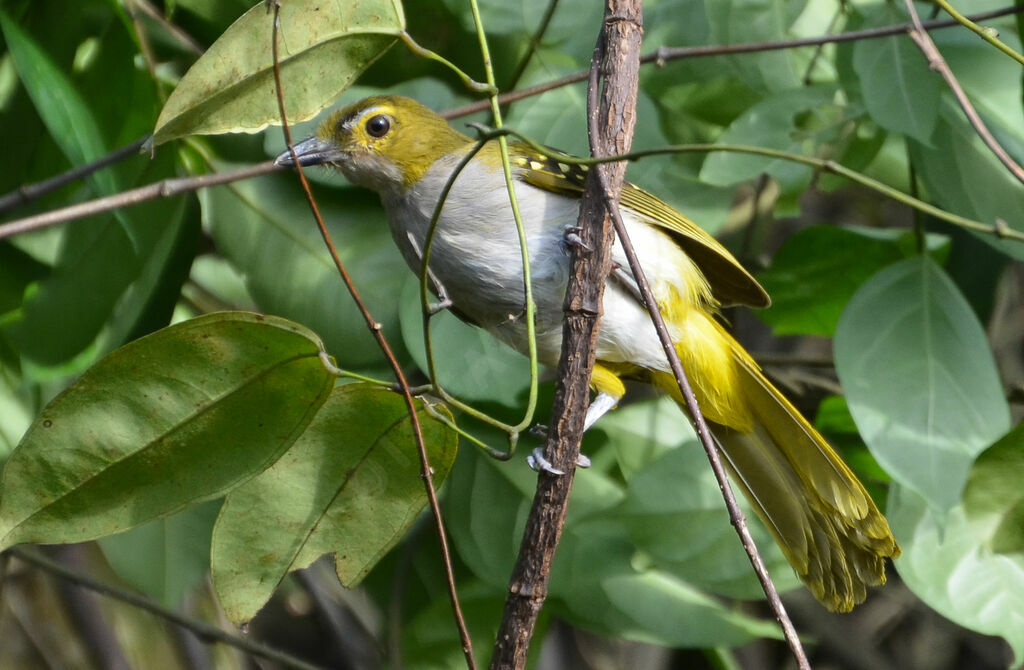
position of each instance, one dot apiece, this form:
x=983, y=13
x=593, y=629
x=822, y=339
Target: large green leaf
x=350, y=486
x=968, y=564
x=737, y=21
x=323, y=48
x=674, y=513
x=599, y=580
x=816, y=272
x=174, y=418
x=799, y=121
x=900, y=91
x=963, y=176
x=168, y=558
x=919, y=378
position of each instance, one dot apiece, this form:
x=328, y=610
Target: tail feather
x=822, y=517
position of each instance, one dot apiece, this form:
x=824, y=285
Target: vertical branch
x=377, y=332
x=617, y=54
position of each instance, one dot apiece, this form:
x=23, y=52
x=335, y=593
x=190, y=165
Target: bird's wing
x=730, y=283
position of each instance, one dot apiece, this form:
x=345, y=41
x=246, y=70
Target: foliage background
x=926, y=320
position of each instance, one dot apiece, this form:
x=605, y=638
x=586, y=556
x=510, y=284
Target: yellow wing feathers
x=820, y=514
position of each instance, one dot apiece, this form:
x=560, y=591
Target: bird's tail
x=822, y=517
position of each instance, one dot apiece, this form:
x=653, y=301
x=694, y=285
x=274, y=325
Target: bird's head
x=383, y=142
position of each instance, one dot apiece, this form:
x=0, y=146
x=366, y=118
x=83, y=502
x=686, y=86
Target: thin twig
x=376, y=330
x=987, y=34
x=937, y=62
x=617, y=55
x=665, y=54
x=204, y=631
x=174, y=31
x=161, y=189
x=29, y=192
x=735, y=514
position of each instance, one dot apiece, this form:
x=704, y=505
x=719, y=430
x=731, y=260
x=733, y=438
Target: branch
x=617, y=54
x=426, y=472
x=937, y=62
x=665, y=54
x=29, y=192
x=203, y=631
x=160, y=189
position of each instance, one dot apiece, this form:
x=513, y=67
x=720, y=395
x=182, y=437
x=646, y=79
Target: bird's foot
x=571, y=240
x=537, y=461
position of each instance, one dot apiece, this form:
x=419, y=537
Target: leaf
x=471, y=364
x=599, y=578
x=993, y=498
x=168, y=558
x=738, y=21
x=323, y=48
x=963, y=177
x=58, y=103
x=674, y=513
x=597, y=565
x=816, y=272
x=64, y=312
x=919, y=378
x=797, y=121
x=350, y=485
x=177, y=417
x=900, y=91
x=948, y=562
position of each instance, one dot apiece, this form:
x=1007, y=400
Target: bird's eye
x=378, y=126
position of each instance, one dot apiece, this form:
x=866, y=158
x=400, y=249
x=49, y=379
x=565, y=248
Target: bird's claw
x=571, y=239
x=538, y=463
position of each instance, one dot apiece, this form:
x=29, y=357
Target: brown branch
x=617, y=54
x=202, y=630
x=161, y=189
x=29, y=192
x=665, y=54
x=938, y=63
x=426, y=472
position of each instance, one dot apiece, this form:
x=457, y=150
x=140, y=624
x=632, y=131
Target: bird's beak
x=312, y=151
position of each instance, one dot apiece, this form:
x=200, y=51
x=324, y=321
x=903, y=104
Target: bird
x=819, y=513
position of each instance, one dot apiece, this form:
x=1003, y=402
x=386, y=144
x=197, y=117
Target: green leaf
x=264, y=228
x=58, y=103
x=587, y=590
x=602, y=584
x=64, y=312
x=674, y=513
x=816, y=272
x=964, y=177
x=993, y=498
x=949, y=563
x=471, y=364
x=900, y=91
x=738, y=21
x=919, y=378
x=174, y=418
x=323, y=48
x=350, y=485
x=798, y=121
x=168, y=558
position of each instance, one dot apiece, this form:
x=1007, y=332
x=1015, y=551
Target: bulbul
x=825, y=521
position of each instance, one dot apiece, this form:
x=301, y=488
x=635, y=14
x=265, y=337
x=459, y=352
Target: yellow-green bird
x=820, y=514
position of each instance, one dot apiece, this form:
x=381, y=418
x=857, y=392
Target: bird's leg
x=444, y=302
x=609, y=391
